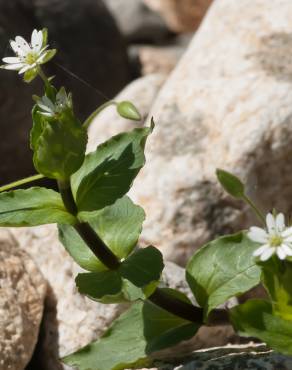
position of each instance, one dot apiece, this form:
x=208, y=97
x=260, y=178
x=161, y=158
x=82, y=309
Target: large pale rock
x=70, y=320
x=142, y=92
x=227, y=104
x=181, y=16
x=22, y=292
x=250, y=356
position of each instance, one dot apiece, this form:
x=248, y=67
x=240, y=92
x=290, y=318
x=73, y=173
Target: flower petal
x=25, y=68
x=280, y=222
x=270, y=221
x=12, y=60
x=260, y=250
x=281, y=253
x=37, y=40
x=24, y=46
x=257, y=234
x=267, y=253
x=14, y=67
x=287, y=232
x=287, y=249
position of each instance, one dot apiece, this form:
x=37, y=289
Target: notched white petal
x=281, y=253
x=260, y=250
x=270, y=221
x=257, y=234
x=12, y=60
x=280, y=222
x=267, y=254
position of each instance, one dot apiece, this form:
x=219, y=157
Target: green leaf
x=30, y=75
x=132, y=338
x=107, y=174
x=118, y=225
x=127, y=110
x=109, y=287
x=37, y=128
x=99, y=285
x=143, y=266
x=254, y=318
x=230, y=183
x=31, y=207
x=228, y=270
x=60, y=148
x=276, y=277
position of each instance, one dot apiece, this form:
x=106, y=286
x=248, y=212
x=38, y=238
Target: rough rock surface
x=90, y=46
x=70, y=320
x=22, y=292
x=181, y=16
x=227, y=104
x=250, y=356
x=142, y=92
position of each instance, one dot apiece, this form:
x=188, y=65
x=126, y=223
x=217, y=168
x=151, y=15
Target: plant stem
x=254, y=208
x=88, y=121
x=90, y=237
x=160, y=298
x=43, y=76
x=21, y=182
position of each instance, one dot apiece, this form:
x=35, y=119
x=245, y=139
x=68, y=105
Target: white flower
x=49, y=109
x=28, y=56
x=276, y=238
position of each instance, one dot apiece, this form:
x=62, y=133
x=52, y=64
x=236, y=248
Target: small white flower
x=49, y=109
x=28, y=56
x=276, y=238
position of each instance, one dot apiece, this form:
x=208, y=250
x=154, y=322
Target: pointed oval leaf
x=118, y=225
x=131, y=339
x=107, y=174
x=254, y=318
x=143, y=266
x=31, y=207
x=222, y=269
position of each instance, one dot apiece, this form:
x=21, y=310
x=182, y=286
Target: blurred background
x=102, y=46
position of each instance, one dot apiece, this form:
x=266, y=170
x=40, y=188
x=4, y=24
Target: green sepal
x=32, y=207
x=230, y=183
x=255, y=318
x=229, y=270
x=30, y=75
x=108, y=173
x=118, y=225
x=133, y=339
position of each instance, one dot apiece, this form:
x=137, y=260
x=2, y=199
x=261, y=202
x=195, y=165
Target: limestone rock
x=181, y=16
x=142, y=92
x=250, y=356
x=22, y=292
x=228, y=104
x=89, y=45
x=70, y=320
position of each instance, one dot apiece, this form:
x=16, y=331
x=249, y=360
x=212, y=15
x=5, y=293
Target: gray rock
x=250, y=356
x=227, y=104
x=180, y=16
x=22, y=296
x=90, y=47
x=137, y=21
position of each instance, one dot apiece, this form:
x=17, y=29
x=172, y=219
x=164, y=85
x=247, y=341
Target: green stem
x=43, y=76
x=88, y=121
x=258, y=213
x=160, y=298
x=21, y=182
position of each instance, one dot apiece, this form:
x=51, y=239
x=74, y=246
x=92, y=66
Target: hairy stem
x=21, y=182
x=88, y=121
x=254, y=208
x=160, y=298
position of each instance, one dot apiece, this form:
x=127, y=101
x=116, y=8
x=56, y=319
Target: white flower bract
x=275, y=239
x=28, y=56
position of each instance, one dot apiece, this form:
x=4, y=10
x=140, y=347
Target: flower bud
x=127, y=110
x=230, y=183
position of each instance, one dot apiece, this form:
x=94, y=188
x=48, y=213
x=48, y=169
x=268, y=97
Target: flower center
x=31, y=58
x=275, y=240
